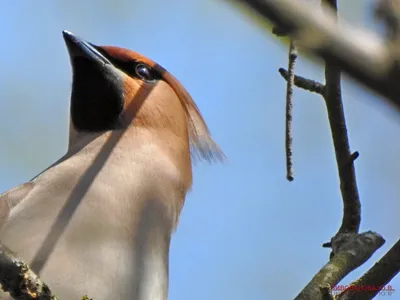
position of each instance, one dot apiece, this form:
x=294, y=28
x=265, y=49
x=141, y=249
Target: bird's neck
x=131, y=139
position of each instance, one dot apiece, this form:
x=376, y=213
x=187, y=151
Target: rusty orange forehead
x=126, y=55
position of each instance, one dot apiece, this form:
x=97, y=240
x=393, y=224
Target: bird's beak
x=78, y=47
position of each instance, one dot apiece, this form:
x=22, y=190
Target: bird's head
x=117, y=89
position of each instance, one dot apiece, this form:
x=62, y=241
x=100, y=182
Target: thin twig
x=345, y=160
x=334, y=104
x=289, y=109
x=304, y=83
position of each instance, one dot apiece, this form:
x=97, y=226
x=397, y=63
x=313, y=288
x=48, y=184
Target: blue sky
x=245, y=232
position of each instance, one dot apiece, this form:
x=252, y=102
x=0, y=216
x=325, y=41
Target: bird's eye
x=144, y=72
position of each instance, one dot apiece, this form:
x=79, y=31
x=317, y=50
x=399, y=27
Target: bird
x=99, y=221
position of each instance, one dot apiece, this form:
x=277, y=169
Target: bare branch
x=346, y=255
x=351, y=250
x=359, y=53
x=333, y=99
x=378, y=276
x=334, y=104
x=305, y=83
x=19, y=280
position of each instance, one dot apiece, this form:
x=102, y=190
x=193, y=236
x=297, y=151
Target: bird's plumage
x=99, y=220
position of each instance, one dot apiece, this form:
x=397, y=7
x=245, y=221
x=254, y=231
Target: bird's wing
x=10, y=198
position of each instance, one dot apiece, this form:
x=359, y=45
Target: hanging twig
x=289, y=109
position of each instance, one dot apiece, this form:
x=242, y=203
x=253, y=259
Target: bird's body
x=99, y=221
x=96, y=232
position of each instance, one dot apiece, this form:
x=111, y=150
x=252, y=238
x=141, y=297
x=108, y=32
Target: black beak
x=97, y=87
x=78, y=47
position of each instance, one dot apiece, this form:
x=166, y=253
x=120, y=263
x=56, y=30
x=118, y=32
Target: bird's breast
x=101, y=228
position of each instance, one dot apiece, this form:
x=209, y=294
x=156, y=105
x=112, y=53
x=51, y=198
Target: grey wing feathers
x=11, y=198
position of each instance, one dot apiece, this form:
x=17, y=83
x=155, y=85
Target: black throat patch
x=97, y=96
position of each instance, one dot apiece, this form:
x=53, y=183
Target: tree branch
x=304, y=83
x=19, y=280
x=334, y=104
x=378, y=276
x=351, y=251
x=344, y=158
x=347, y=245
x=359, y=53
x=373, y=63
